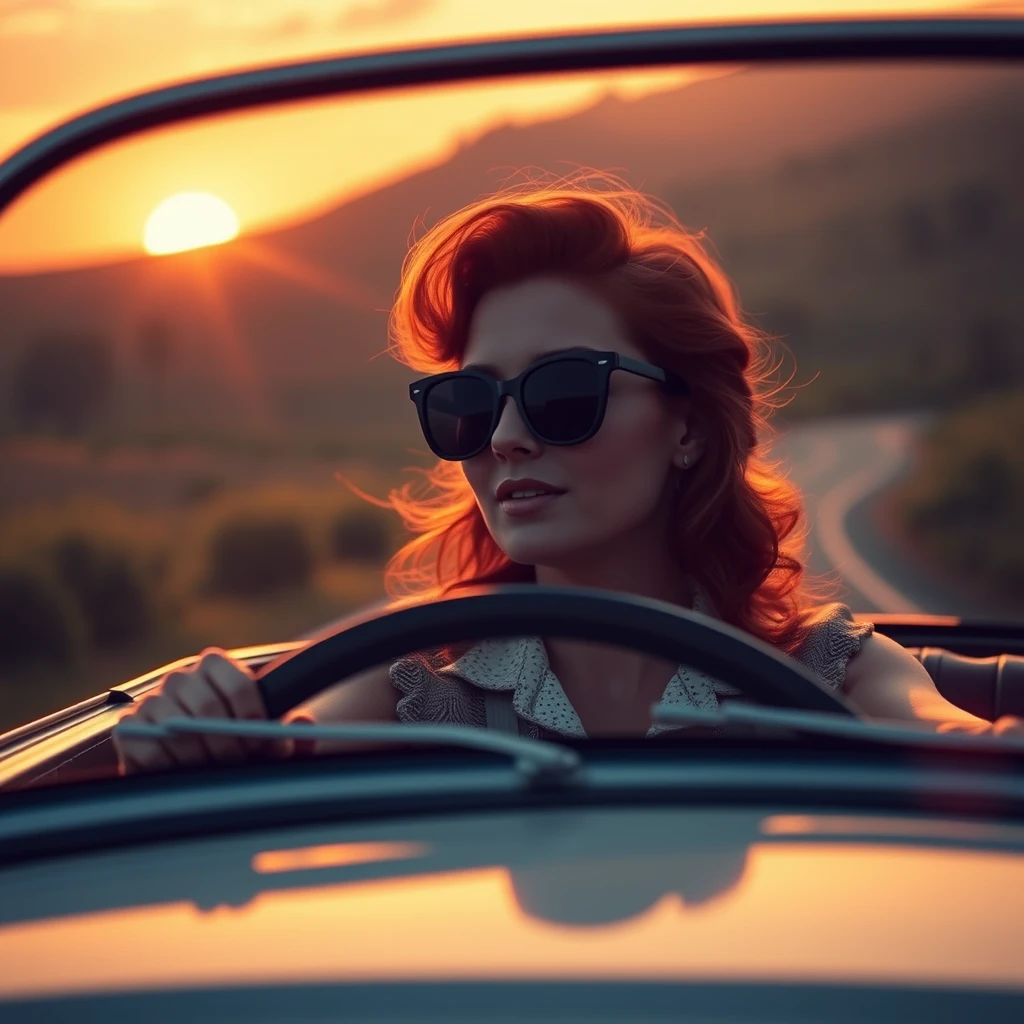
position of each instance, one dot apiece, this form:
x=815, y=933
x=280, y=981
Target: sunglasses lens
x=459, y=413
x=563, y=399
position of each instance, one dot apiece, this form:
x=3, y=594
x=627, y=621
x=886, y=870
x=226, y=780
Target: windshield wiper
x=536, y=760
x=821, y=723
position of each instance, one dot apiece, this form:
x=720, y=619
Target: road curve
x=841, y=465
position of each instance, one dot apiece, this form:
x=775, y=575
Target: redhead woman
x=596, y=402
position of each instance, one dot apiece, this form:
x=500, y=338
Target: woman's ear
x=689, y=445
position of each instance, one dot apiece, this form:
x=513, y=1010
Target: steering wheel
x=655, y=627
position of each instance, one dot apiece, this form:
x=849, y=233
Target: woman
x=596, y=400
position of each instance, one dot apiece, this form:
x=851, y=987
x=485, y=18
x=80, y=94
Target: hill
x=820, y=186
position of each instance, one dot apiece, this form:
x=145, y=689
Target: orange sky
x=59, y=57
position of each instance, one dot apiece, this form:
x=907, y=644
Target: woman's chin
x=542, y=545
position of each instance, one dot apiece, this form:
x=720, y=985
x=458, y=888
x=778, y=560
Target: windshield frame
x=989, y=40
x=967, y=39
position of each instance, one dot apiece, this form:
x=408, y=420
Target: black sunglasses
x=561, y=398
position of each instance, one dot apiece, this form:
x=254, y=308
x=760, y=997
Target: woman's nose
x=511, y=436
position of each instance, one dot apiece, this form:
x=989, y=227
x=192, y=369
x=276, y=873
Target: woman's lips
x=517, y=508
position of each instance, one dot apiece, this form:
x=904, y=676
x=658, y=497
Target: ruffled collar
x=520, y=665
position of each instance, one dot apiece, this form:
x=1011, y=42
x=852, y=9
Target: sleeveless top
x=438, y=690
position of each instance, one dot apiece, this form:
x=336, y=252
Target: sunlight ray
x=237, y=360
x=346, y=290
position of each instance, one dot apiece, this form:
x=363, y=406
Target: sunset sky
x=61, y=57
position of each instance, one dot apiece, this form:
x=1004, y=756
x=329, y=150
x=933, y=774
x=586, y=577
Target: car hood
x=554, y=894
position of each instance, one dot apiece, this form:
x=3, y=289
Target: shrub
x=63, y=381
x=252, y=555
x=200, y=488
x=361, y=535
x=965, y=499
x=39, y=622
x=108, y=587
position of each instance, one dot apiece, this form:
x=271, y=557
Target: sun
x=188, y=220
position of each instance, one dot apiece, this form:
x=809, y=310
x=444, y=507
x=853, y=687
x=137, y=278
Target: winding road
x=842, y=465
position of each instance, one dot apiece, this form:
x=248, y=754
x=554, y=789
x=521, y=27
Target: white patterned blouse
x=437, y=689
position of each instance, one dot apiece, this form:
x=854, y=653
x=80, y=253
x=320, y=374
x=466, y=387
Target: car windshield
x=207, y=438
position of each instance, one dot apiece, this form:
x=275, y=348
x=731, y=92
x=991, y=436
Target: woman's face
x=611, y=490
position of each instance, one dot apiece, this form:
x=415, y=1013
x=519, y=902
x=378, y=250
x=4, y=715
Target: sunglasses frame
x=419, y=392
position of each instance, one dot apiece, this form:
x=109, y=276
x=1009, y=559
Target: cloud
x=121, y=6
x=291, y=26
x=33, y=18
x=384, y=12
x=353, y=18
x=100, y=52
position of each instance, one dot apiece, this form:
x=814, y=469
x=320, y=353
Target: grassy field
x=964, y=501
x=114, y=562
x=30, y=691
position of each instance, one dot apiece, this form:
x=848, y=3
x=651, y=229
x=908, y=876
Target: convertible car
x=787, y=862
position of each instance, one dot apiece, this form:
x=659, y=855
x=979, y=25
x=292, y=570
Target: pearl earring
x=686, y=462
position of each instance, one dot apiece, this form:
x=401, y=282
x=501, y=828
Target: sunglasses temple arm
x=656, y=373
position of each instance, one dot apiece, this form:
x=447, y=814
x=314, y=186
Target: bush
x=251, y=556
x=361, y=535
x=200, y=488
x=63, y=382
x=965, y=499
x=109, y=589
x=103, y=559
x=39, y=623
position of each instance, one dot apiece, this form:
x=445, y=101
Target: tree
x=975, y=210
x=253, y=555
x=63, y=382
x=156, y=353
x=989, y=362
x=916, y=230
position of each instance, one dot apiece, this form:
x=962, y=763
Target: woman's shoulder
x=430, y=693
x=832, y=637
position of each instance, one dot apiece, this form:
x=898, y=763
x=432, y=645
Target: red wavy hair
x=740, y=528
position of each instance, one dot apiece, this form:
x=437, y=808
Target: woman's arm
x=885, y=681
x=368, y=697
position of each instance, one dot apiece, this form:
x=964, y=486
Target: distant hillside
x=892, y=263
x=812, y=182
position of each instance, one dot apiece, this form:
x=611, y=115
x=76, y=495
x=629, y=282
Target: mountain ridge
x=249, y=347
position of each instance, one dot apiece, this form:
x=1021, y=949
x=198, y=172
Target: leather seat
x=986, y=687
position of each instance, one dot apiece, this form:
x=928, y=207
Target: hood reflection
x=601, y=884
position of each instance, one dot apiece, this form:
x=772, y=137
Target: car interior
x=194, y=491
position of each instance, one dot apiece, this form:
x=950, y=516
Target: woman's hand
x=1009, y=725
x=217, y=687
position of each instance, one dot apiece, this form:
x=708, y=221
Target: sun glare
x=189, y=220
